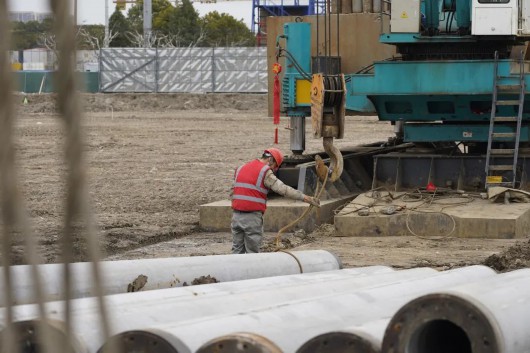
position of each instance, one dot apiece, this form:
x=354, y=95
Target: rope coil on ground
x=437, y=197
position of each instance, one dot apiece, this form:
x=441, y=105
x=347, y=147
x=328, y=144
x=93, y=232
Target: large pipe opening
x=439, y=336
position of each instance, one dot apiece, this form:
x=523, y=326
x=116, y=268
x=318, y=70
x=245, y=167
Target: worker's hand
x=312, y=200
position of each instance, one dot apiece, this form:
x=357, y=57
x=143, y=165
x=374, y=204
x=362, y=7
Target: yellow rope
x=296, y=259
x=302, y=216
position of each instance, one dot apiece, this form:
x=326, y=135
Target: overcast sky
x=93, y=11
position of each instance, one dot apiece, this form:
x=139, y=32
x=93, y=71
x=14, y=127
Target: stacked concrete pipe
x=288, y=325
x=137, y=310
x=163, y=335
x=429, y=317
x=491, y=316
x=148, y=274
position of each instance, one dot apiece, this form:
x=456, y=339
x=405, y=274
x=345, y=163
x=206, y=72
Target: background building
x=27, y=16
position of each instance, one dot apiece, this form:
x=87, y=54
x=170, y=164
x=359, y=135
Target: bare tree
x=168, y=40
x=49, y=41
x=200, y=38
x=93, y=41
x=138, y=40
x=159, y=40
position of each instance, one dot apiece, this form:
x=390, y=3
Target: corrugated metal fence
x=197, y=70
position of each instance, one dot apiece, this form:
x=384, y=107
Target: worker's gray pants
x=247, y=232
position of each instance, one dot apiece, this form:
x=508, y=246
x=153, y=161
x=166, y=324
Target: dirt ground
x=153, y=159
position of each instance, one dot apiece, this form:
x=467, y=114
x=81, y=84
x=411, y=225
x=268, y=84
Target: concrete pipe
x=242, y=341
x=339, y=342
x=138, y=310
x=365, y=338
x=192, y=312
x=143, y=341
x=484, y=317
x=28, y=338
x=290, y=324
x=142, y=275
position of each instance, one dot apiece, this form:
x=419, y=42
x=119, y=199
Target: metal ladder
x=500, y=84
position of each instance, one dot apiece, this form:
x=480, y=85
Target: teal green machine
x=457, y=90
x=296, y=81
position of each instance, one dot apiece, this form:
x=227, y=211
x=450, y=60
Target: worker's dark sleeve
x=276, y=185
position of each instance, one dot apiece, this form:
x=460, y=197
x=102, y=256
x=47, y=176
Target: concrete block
x=216, y=216
x=477, y=219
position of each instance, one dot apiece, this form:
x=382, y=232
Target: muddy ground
x=153, y=159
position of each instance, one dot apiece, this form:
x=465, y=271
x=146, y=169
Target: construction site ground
x=153, y=159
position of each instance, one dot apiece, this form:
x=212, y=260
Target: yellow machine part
x=303, y=92
x=493, y=179
x=329, y=125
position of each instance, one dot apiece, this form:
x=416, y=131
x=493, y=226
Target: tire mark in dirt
x=120, y=240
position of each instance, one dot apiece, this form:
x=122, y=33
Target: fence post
x=100, y=64
x=213, y=70
x=157, y=69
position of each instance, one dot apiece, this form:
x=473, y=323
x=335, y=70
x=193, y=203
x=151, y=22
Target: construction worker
x=252, y=182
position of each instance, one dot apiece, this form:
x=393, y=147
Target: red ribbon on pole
x=276, y=100
x=276, y=68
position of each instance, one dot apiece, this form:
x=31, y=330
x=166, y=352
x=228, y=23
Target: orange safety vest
x=250, y=193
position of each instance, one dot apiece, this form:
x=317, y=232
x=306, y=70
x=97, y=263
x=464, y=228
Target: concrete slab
x=456, y=216
x=216, y=216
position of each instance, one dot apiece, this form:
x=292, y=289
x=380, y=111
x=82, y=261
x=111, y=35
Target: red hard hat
x=276, y=154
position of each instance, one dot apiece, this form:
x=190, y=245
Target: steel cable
x=14, y=215
x=77, y=193
x=8, y=179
